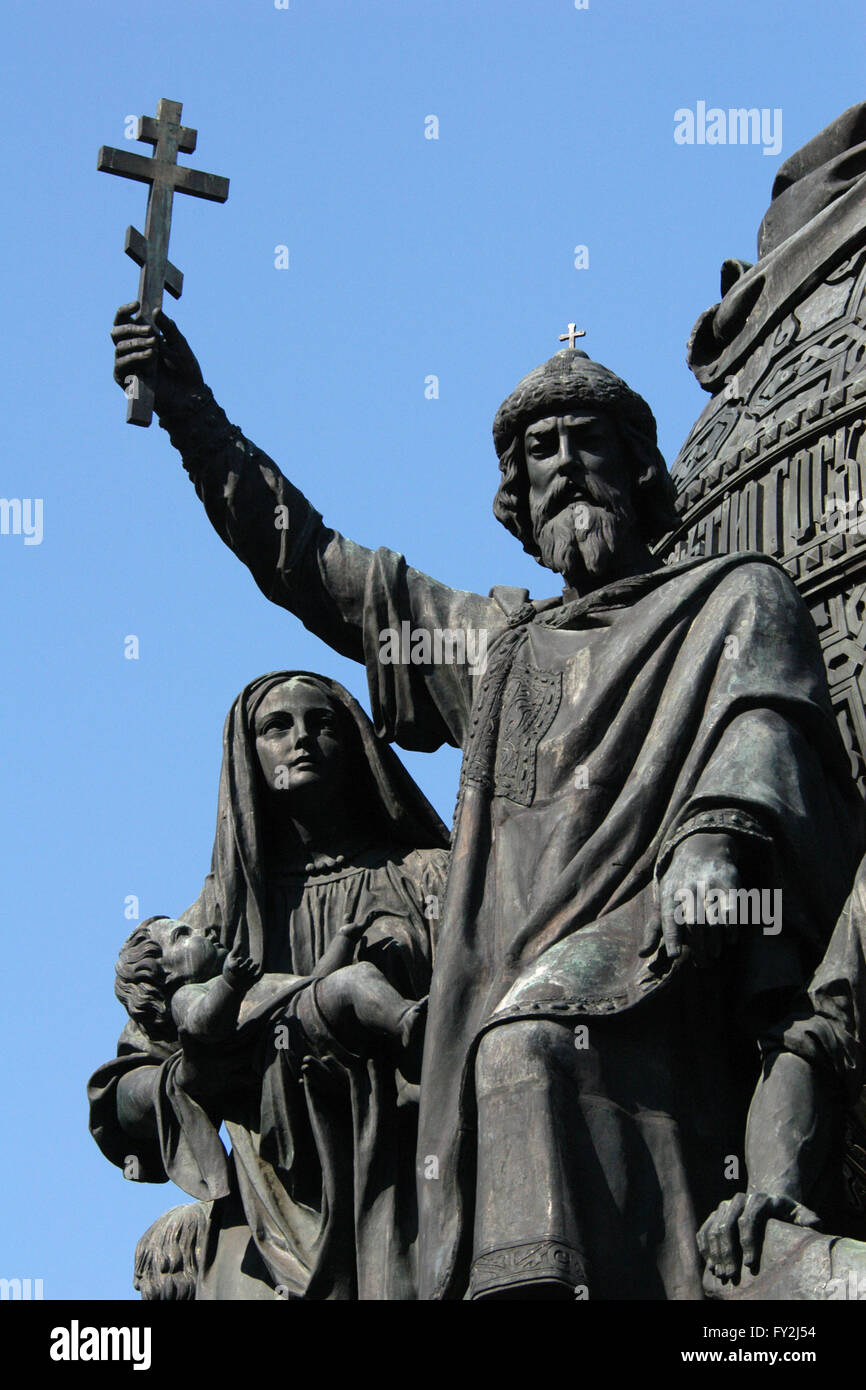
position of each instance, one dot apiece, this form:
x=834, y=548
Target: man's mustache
x=565, y=491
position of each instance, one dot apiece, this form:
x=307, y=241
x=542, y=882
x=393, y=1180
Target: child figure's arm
x=341, y=951
x=212, y=1014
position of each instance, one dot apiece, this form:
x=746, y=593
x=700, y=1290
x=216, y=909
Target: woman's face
x=300, y=740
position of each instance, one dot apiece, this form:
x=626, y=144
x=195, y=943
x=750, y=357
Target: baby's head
x=160, y=956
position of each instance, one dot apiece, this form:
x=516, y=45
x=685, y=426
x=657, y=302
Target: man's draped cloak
x=691, y=697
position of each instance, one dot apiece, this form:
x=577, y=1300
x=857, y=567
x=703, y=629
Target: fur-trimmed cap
x=570, y=377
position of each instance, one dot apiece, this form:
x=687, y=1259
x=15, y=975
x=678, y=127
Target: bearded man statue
x=655, y=832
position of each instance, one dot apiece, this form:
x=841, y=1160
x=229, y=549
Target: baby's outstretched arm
x=210, y=1015
x=341, y=951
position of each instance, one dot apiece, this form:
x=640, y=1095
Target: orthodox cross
x=165, y=177
x=572, y=334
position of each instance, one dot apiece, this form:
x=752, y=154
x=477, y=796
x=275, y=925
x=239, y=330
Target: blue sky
x=407, y=257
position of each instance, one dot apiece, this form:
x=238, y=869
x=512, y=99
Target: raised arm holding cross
x=165, y=176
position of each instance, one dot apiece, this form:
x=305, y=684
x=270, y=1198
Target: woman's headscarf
x=234, y=894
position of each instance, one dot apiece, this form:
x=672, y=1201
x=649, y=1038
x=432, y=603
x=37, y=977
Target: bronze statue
x=655, y=832
x=288, y=1003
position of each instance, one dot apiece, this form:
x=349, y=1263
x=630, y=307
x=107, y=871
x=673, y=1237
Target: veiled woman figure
x=319, y=825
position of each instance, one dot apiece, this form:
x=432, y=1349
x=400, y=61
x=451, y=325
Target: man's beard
x=591, y=537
